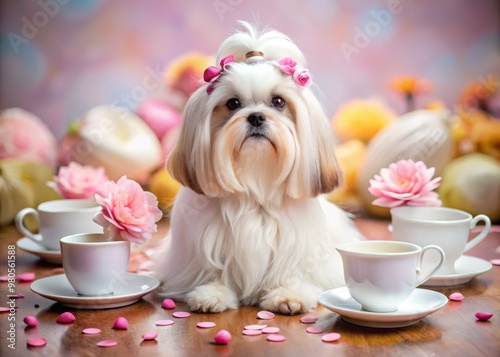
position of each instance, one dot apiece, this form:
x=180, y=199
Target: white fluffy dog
x=254, y=153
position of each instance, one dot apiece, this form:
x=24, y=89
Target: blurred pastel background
x=83, y=53
x=63, y=62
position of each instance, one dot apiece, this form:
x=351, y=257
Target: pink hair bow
x=212, y=73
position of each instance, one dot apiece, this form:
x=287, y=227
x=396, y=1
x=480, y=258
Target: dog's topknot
x=271, y=43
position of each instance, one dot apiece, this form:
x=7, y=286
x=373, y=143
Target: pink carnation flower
x=128, y=212
x=76, y=181
x=405, y=183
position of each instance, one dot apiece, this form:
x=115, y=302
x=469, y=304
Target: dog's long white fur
x=247, y=229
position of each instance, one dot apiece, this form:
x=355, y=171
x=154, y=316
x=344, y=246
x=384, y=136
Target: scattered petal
x=309, y=319
x=16, y=296
x=483, y=316
x=65, y=318
x=4, y=278
x=274, y=337
x=168, y=304
x=252, y=332
x=29, y=276
x=330, y=337
x=271, y=330
x=206, y=324
x=222, y=337
x=121, y=323
x=255, y=327
x=107, y=343
x=314, y=329
x=495, y=261
x=91, y=331
x=265, y=315
x=456, y=296
x=149, y=336
x=36, y=341
x=164, y=322
x=30, y=321
x=181, y=314
x=4, y=309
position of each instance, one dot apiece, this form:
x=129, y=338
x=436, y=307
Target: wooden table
x=451, y=331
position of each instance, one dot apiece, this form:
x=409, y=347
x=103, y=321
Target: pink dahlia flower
x=26, y=137
x=128, y=212
x=76, y=181
x=405, y=183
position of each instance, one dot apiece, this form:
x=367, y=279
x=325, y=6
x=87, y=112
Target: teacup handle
x=421, y=277
x=487, y=225
x=37, y=238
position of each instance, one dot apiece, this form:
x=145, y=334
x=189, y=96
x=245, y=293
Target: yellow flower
x=185, y=73
x=411, y=85
x=362, y=119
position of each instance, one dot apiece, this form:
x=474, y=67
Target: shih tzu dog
x=255, y=152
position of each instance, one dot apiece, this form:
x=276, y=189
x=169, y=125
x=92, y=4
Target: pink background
x=77, y=54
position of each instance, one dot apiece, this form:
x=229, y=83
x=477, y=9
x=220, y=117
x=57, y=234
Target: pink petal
x=330, y=337
x=181, y=314
x=29, y=276
x=91, y=331
x=495, y=261
x=65, y=318
x=30, y=321
x=314, y=329
x=4, y=278
x=107, y=343
x=456, y=297
x=276, y=338
x=164, y=322
x=309, y=319
x=168, y=304
x=149, y=336
x=265, y=315
x=16, y=296
x=270, y=330
x=121, y=323
x=252, y=332
x=205, y=324
x=4, y=309
x=255, y=327
x=483, y=316
x=222, y=337
x=36, y=341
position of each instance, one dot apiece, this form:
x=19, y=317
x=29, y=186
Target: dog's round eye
x=278, y=102
x=233, y=104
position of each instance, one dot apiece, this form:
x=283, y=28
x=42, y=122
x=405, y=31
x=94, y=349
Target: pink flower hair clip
x=212, y=73
x=299, y=74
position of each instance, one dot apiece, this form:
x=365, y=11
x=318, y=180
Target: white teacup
x=60, y=218
x=446, y=227
x=93, y=265
x=381, y=275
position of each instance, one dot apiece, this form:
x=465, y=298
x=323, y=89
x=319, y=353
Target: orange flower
x=185, y=73
x=411, y=85
x=477, y=93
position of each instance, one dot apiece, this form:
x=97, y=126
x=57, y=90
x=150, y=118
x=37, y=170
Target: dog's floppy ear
x=189, y=161
x=316, y=170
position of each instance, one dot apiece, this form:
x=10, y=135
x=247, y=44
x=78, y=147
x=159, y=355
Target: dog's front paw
x=289, y=302
x=211, y=298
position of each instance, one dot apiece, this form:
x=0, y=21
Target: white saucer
x=50, y=256
x=59, y=289
x=420, y=304
x=466, y=268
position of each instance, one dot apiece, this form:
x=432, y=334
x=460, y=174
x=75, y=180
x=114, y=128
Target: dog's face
x=258, y=133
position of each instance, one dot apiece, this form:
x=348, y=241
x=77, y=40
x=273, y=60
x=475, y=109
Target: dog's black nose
x=256, y=119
